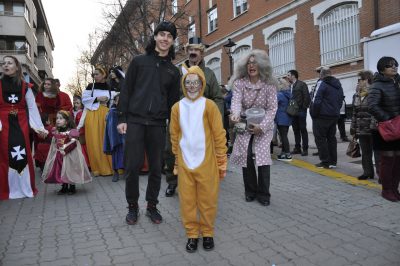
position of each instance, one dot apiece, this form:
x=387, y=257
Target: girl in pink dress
x=65, y=163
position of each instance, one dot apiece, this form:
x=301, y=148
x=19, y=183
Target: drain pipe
x=376, y=14
x=200, y=28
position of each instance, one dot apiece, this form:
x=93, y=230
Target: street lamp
x=228, y=50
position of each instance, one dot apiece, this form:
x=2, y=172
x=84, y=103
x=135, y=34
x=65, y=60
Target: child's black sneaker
x=153, y=214
x=71, y=190
x=63, y=190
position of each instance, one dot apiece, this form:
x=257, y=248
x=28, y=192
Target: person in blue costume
x=114, y=141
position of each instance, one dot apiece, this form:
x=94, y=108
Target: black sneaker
x=284, y=157
x=133, y=214
x=332, y=165
x=71, y=190
x=153, y=214
x=115, y=177
x=170, y=190
x=322, y=165
x=63, y=190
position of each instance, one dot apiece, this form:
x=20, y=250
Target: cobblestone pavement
x=312, y=220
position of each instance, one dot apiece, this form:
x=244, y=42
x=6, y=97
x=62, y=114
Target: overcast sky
x=70, y=24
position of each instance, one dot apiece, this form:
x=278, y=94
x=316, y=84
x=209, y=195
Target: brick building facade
x=302, y=34
x=297, y=34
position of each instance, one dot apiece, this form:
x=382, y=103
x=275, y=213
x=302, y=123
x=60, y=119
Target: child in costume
x=113, y=141
x=199, y=145
x=65, y=163
x=77, y=114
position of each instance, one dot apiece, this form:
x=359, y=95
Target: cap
x=166, y=26
x=196, y=42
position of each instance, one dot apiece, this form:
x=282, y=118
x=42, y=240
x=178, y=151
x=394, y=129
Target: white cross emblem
x=18, y=153
x=13, y=98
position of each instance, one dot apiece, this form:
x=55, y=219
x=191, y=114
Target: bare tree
x=84, y=67
x=131, y=24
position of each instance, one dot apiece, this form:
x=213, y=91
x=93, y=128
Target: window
x=18, y=9
x=239, y=6
x=19, y=45
x=215, y=65
x=1, y=8
x=339, y=32
x=174, y=7
x=3, y=45
x=281, y=51
x=240, y=51
x=212, y=20
x=192, y=31
x=27, y=14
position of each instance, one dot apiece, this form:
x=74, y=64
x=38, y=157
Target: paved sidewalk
x=312, y=220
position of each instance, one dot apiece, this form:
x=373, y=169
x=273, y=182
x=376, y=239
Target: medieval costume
x=65, y=162
x=77, y=115
x=52, y=103
x=17, y=107
x=95, y=125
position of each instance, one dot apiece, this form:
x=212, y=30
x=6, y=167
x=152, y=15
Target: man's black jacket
x=151, y=88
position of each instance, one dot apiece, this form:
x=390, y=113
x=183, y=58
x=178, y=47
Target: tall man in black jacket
x=299, y=122
x=151, y=88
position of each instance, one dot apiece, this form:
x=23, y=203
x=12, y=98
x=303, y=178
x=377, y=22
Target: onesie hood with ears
x=194, y=70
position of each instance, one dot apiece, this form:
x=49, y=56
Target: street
x=315, y=218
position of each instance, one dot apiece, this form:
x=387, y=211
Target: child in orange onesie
x=198, y=143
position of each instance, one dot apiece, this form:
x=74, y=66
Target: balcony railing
x=11, y=52
x=11, y=13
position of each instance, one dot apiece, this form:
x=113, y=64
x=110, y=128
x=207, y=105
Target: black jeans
x=283, y=133
x=366, y=153
x=253, y=187
x=325, y=138
x=138, y=139
x=341, y=126
x=299, y=125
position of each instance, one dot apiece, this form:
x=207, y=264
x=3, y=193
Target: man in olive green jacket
x=195, y=50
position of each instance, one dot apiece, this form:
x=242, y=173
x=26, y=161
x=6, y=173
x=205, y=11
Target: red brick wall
x=306, y=37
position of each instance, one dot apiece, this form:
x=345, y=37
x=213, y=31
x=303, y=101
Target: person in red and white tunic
x=18, y=111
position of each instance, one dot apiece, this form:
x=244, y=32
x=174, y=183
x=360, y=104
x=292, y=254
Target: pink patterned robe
x=247, y=95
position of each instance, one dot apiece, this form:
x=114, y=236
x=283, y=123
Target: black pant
x=341, y=126
x=169, y=159
x=253, y=188
x=325, y=138
x=299, y=125
x=366, y=153
x=138, y=139
x=283, y=133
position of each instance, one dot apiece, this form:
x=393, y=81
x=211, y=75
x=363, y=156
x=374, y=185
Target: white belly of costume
x=193, y=142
